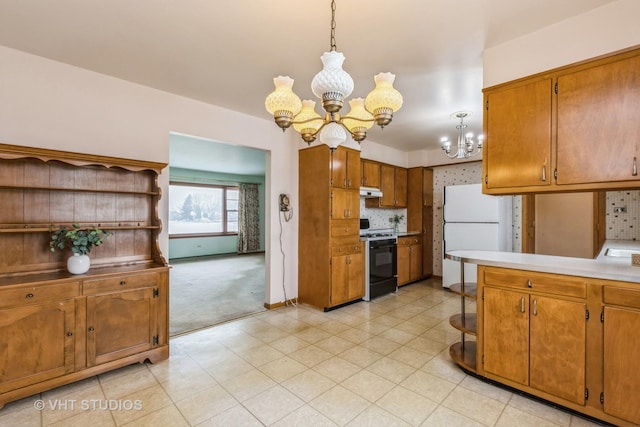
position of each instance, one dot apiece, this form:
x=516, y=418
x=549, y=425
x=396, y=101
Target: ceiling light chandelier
x=465, y=141
x=333, y=85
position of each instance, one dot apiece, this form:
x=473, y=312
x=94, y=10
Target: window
x=202, y=210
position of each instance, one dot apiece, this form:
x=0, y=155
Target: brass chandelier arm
x=358, y=119
x=334, y=121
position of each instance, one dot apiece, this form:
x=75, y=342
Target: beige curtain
x=248, y=218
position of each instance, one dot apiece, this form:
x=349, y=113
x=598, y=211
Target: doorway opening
x=216, y=276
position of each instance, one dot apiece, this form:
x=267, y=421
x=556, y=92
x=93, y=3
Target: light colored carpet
x=210, y=290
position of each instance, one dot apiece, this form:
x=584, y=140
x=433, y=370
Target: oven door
x=382, y=260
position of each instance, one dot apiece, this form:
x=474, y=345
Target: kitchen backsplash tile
x=379, y=218
x=623, y=225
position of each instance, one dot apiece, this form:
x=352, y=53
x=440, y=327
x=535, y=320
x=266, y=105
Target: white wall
x=608, y=28
x=52, y=105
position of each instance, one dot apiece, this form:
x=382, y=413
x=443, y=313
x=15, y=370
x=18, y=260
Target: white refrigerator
x=473, y=220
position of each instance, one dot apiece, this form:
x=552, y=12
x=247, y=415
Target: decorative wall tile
x=624, y=225
x=380, y=217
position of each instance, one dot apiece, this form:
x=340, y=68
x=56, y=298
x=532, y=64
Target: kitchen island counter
x=559, y=328
x=603, y=267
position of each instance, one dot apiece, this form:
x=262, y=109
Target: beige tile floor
x=383, y=363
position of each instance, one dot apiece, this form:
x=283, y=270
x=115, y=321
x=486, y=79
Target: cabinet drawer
x=622, y=296
x=409, y=240
x=536, y=282
x=117, y=284
x=348, y=228
x=39, y=293
x=347, y=249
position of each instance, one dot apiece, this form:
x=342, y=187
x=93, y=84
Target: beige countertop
x=409, y=233
x=602, y=267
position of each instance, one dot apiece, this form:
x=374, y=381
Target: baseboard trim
x=280, y=304
x=272, y=306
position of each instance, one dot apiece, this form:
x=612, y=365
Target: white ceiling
x=226, y=53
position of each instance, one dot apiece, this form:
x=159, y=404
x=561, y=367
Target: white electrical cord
x=287, y=217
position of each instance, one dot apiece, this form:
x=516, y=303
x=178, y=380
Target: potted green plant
x=80, y=241
x=397, y=219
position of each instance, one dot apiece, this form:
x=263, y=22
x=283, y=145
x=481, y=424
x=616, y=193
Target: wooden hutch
x=56, y=327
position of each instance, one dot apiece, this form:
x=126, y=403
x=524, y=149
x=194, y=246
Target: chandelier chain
x=333, y=26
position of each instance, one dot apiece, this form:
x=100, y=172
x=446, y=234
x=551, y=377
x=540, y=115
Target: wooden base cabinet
x=347, y=278
x=55, y=327
x=120, y=321
x=38, y=343
x=409, y=259
x=621, y=320
x=529, y=330
x=569, y=340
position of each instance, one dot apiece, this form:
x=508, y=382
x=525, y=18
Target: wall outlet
x=635, y=260
x=620, y=209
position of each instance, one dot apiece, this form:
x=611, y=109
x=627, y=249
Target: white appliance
x=473, y=220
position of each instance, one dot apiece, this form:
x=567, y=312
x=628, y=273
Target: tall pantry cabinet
x=330, y=253
x=420, y=212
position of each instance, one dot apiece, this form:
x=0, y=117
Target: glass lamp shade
x=308, y=112
x=333, y=135
x=357, y=111
x=384, y=97
x=332, y=83
x=282, y=99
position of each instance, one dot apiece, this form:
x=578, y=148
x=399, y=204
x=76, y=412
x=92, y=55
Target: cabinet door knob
x=69, y=334
x=522, y=307
x=91, y=329
x=535, y=307
x=544, y=173
x=529, y=283
x=635, y=167
x=29, y=296
x=123, y=282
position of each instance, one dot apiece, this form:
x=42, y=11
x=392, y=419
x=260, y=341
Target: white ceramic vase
x=78, y=264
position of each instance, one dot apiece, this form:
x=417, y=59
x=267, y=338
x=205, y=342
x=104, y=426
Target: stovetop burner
x=379, y=233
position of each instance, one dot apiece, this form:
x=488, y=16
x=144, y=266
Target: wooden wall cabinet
x=518, y=156
x=409, y=259
x=57, y=327
x=370, y=173
x=420, y=212
x=331, y=256
x=393, y=184
x=569, y=129
x=345, y=168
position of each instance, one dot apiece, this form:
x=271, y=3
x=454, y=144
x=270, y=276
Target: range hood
x=370, y=192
